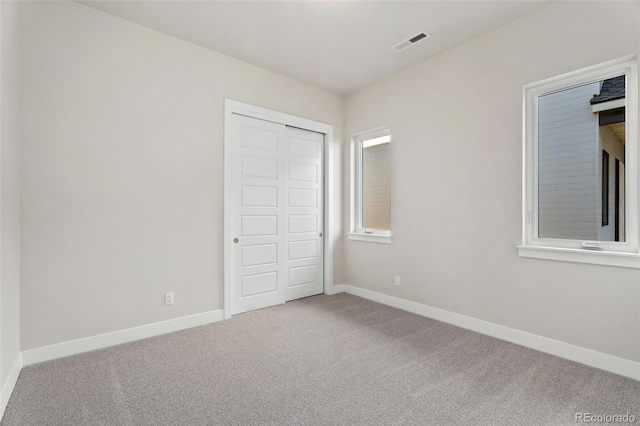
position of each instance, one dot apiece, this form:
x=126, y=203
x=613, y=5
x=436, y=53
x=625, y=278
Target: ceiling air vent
x=410, y=41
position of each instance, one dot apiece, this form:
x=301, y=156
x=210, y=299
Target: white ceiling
x=338, y=45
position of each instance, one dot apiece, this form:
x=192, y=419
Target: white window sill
x=371, y=238
x=595, y=257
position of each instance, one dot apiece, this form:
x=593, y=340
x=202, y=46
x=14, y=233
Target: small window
x=371, y=217
x=580, y=156
x=605, y=188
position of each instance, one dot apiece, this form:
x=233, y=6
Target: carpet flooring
x=324, y=360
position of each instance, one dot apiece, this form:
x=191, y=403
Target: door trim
x=330, y=186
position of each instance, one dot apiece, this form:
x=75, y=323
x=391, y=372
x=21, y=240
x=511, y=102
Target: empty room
x=319, y=212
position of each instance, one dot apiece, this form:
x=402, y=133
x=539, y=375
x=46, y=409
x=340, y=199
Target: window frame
x=613, y=253
x=358, y=233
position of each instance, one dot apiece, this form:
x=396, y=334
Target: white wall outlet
x=168, y=298
x=397, y=280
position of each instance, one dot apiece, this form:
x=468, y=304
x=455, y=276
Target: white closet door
x=258, y=225
x=276, y=214
x=304, y=213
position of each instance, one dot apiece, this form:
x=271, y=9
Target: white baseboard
x=606, y=362
x=7, y=389
x=73, y=347
x=335, y=289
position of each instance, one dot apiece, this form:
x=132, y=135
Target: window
x=580, y=166
x=605, y=187
x=371, y=207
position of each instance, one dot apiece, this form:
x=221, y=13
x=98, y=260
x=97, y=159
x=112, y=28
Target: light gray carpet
x=327, y=360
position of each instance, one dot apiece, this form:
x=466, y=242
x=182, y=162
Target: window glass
x=580, y=161
x=375, y=184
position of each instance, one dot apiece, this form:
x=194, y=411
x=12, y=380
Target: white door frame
x=329, y=232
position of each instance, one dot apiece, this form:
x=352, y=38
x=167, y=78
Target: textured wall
x=456, y=174
x=123, y=169
x=568, y=200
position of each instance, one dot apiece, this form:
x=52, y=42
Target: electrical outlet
x=397, y=280
x=168, y=298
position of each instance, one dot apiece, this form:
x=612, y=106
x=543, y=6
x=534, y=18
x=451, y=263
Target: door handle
x=320, y=235
x=235, y=240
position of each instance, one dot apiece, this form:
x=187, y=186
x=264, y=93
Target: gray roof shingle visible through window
x=612, y=89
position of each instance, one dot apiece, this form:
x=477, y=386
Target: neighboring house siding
x=610, y=143
x=376, y=187
x=567, y=164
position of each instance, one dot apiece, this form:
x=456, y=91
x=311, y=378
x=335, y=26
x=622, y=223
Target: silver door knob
x=235, y=240
x=320, y=234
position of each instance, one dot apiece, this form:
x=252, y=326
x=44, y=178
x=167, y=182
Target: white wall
x=9, y=190
x=122, y=172
x=456, y=183
x=122, y=176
